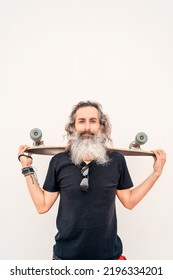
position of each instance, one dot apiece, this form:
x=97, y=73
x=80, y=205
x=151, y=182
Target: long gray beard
x=89, y=148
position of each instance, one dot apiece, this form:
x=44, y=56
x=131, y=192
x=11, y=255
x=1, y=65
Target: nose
x=87, y=125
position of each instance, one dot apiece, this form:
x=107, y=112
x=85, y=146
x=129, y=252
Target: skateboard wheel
x=134, y=146
x=141, y=138
x=36, y=134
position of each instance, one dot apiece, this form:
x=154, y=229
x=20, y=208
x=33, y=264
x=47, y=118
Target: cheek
x=78, y=127
x=97, y=128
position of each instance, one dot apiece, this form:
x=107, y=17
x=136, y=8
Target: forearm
x=137, y=194
x=43, y=200
x=36, y=193
x=131, y=197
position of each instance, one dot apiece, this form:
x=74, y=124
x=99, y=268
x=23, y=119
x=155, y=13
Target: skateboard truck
x=36, y=135
x=140, y=139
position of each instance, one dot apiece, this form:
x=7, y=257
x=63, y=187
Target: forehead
x=87, y=112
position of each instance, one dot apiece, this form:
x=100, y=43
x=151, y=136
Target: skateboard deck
x=53, y=150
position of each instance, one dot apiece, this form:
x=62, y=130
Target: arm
x=42, y=199
x=131, y=197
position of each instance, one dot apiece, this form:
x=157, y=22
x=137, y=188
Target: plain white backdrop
x=55, y=53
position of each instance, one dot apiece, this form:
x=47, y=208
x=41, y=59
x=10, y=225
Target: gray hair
x=104, y=121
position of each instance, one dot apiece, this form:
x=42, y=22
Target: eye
x=93, y=121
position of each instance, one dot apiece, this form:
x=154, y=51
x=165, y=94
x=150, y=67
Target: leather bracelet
x=28, y=170
x=23, y=155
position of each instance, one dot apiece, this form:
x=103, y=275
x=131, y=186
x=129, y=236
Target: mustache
x=87, y=132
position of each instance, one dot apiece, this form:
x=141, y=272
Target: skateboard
x=39, y=148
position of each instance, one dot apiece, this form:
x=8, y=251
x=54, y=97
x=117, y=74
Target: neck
x=87, y=160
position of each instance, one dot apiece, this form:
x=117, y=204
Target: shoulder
x=60, y=158
x=115, y=155
x=117, y=158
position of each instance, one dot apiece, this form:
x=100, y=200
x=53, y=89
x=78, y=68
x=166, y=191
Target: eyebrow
x=85, y=119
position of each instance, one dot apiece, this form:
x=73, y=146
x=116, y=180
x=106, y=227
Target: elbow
x=42, y=210
x=129, y=206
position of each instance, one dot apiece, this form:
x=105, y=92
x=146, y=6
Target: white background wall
x=55, y=53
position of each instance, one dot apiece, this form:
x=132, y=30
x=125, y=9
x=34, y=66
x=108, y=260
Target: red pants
x=123, y=258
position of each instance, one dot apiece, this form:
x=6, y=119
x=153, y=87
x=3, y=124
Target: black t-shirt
x=86, y=221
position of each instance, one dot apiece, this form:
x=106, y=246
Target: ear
x=102, y=127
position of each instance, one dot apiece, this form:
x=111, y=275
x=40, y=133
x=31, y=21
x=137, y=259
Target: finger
x=22, y=149
x=159, y=153
x=29, y=153
x=155, y=153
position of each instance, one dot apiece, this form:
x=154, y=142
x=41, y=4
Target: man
x=88, y=176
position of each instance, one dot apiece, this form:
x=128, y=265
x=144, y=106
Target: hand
x=159, y=161
x=25, y=161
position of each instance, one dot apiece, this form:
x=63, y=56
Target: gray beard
x=89, y=148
